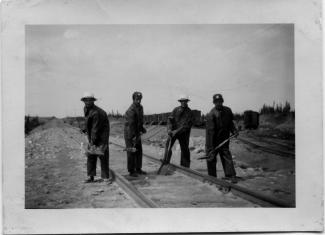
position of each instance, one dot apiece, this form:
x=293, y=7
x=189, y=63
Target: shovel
x=165, y=160
x=219, y=146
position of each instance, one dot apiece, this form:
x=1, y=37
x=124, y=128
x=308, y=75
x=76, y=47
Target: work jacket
x=180, y=118
x=134, y=121
x=97, y=125
x=219, y=124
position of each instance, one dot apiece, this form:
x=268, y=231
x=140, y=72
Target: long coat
x=134, y=121
x=218, y=127
x=97, y=126
x=180, y=118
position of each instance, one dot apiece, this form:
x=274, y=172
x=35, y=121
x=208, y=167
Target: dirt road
x=265, y=172
x=55, y=170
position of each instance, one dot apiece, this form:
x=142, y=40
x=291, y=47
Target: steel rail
x=130, y=189
x=250, y=195
x=154, y=134
x=269, y=150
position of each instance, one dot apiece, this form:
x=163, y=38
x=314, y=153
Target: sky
x=250, y=65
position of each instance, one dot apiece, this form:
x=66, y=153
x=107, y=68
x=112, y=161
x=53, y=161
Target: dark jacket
x=97, y=125
x=219, y=124
x=134, y=121
x=180, y=118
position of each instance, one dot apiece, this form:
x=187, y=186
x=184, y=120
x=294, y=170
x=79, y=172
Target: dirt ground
x=55, y=169
x=55, y=166
x=267, y=173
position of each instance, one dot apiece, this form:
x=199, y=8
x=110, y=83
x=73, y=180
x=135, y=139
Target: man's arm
x=130, y=118
x=209, y=133
x=94, y=128
x=187, y=124
x=143, y=130
x=233, y=128
x=170, y=122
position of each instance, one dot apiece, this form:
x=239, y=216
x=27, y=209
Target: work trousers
x=227, y=163
x=134, y=160
x=104, y=164
x=183, y=139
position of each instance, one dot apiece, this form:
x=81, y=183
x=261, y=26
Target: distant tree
x=286, y=108
x=275, y=108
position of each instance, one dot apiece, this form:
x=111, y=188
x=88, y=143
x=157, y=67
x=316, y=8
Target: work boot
x=108, y=181
x=89, y=180
x=141, y=172
x=133, y=174
x=232, y=179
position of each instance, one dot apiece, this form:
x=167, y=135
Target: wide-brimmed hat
x=88, y=95
x=183, y=98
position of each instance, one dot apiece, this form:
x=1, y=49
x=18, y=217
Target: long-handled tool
x=165, y=161
x=216, y=148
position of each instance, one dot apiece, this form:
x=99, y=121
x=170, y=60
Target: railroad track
x=150, y=135
x=255, y=197
x=132, y=191
x=283, y=153
x=279, y=152
x=140, y=199
x=143, y=201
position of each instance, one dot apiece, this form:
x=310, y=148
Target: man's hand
x=170, y=133
x=211, y=156
x=236, y=133
x=136, y=139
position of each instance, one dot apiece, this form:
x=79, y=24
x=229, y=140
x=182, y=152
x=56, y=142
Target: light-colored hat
x=88, y=95
x=183, y=98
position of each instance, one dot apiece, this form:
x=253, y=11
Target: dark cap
x=137, y=94
x=217, y=97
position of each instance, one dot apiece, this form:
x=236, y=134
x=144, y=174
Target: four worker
x=219, y=125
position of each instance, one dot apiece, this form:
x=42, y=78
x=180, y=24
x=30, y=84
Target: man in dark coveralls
x=179, y=128
x=219, y=125
x=97, y=129
x=133, y=129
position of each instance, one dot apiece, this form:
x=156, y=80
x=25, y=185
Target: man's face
x=218, y=103
x=137, y=100
x=89, y=103
x=183, y=103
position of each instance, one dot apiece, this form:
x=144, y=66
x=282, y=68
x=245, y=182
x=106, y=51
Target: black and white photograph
x=175, y=116
x=162, y=116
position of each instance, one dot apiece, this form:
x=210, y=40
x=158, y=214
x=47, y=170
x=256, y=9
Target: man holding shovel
x=97, y=129
x=219, y=125
x=179, y=128
x=133, y=129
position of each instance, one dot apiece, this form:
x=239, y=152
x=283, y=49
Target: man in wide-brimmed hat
x=179, y=126
x=97, y=129
x=219, y=125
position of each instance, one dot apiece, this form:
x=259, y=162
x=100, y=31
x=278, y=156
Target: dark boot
x=141, y=172
x=89, y=180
